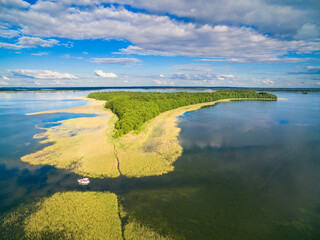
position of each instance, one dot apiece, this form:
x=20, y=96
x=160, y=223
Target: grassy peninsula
x=138, y=137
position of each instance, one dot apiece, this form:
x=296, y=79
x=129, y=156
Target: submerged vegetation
x=135, y=108
x=74, y=215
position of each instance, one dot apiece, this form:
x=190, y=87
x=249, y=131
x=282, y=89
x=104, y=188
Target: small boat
x=84, y=181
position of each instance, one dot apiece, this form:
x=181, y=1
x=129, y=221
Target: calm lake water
x=249, y=170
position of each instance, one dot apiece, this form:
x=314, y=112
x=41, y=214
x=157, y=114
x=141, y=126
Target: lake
x=249, y=169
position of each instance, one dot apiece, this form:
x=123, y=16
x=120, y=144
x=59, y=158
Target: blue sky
x=239, y=43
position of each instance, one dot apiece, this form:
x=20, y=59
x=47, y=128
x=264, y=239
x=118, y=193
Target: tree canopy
x=135, y=108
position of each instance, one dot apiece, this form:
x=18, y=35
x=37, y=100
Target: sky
x=209, y=43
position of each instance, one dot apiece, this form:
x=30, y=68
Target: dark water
x=249, y=170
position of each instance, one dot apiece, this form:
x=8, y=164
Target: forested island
x=135, y=108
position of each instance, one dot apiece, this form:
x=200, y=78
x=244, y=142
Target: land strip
x=85, y=145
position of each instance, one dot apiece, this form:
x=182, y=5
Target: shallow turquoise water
x=249, y=170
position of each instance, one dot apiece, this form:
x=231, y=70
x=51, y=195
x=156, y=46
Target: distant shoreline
x=49, y=89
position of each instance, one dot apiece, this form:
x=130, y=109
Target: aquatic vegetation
x=74, y=215
x=80, y=144
x=136, y=231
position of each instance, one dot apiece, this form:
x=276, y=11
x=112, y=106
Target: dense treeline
x=135, y=108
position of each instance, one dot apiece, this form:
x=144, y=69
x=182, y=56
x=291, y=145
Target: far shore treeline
x=135, y=108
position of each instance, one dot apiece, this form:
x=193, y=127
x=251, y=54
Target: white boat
x=84, y=181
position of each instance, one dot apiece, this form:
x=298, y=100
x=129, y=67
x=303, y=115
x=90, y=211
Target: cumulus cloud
x=121, y=61
x=41, y=74
x=279, y=18
x=29, y=42
x=152, y=34
x=100, y=73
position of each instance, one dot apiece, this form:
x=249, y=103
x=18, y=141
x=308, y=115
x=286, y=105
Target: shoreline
x=85, y=145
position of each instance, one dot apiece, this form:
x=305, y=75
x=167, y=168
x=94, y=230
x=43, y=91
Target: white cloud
x=121, y=61
x=308, y=31
x=164, y=83
x=40, y=54
x=5, y=32
x=58, y=82
x=218, y=31
x=14, y=4
x=37, y=82
x=29, y=42
x=268, y=82
x=258, y=59
x=41, y=74
x=100, y=73
x=279, y=18
x=5, y=78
